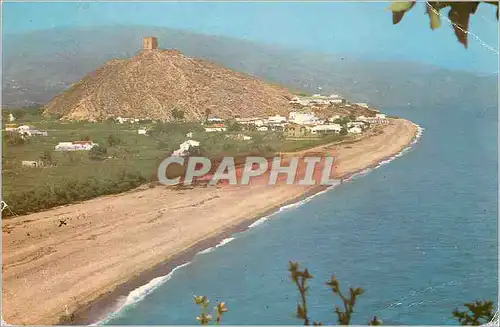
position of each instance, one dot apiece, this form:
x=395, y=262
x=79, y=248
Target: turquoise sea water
x=419, y=234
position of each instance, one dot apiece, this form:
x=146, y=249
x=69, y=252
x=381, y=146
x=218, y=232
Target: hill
x=155, y=82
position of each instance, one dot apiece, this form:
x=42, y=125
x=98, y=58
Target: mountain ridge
x=39, y=65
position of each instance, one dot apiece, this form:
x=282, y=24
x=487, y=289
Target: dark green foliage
x=478, y=313
x=207, y=113
x=47, y=158
x=69, y=190
x=344, y=131
x=114, y=140
x=98, y=153
x=177, y=114
x=459, y=14
x=233, y=126
x=196, y=151
x=13, y=138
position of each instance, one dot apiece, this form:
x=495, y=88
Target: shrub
x=114, y=140
x=98, y=153
x=60, y=192
x=14, y=139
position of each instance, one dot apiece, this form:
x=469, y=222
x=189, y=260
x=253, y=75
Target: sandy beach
x=112, y=244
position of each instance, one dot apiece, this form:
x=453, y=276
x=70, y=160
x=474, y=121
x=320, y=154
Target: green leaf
x=398, y=10
x=433, y=16
x=401, y=6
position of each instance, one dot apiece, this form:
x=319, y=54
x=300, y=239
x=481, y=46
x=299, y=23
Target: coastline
x=106, y=304
x=97, y=307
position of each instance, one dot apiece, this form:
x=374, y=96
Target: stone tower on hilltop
x=149, y=43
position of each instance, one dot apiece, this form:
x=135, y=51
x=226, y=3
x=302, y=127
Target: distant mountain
x=37, y=66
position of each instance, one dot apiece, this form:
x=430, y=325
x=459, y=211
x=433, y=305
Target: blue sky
x=360, y=29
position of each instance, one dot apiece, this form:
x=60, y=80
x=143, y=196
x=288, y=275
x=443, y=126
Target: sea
x=419, y=234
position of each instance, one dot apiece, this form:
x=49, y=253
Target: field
x=128, y=161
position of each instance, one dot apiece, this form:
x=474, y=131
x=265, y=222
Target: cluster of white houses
x=299, y=124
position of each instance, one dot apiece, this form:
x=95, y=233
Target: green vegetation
x=458, y=15
x=478, y=313
x=177, y=114
x=98, y=153
x=122, y=161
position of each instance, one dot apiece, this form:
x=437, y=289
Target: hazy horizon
x=313, y=27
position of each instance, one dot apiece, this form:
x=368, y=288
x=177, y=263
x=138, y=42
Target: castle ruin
x=149, y=43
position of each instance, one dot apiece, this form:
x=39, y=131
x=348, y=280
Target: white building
x=254, y=121
x=215, y=120
x=23, y=128
x=11, y=117
x=276, y=119
x=323, y=129
x=32, y=164
x=381, y=116
x=318, y=99
x=262, y=129
x=36, y=132
x=121, y=120
x=356, y=124
x=75, y=146
x=142, y=131
x=215, y=128
x=240, y=137
x=362, y=104
x=307, y=118
x=184, y=148
x=355, y=130
x=246, y=138
x=189, y=135
x=334, y=118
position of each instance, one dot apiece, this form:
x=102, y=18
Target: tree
x=233, y=126
x=13, y=138
x=114, y=140
x=343, y=131
x=177, y=114
x=458, y=15
x=47, y=158
x=208, y=112
x=98, y=153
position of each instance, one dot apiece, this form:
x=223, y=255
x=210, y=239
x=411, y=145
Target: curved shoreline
x=116, y=279
x=103, y=309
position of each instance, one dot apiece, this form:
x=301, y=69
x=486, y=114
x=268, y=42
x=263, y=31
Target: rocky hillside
x=154, y=82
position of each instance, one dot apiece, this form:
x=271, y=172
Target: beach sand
x=112, y=244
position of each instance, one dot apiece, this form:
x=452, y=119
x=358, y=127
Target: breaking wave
x=141, y=292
